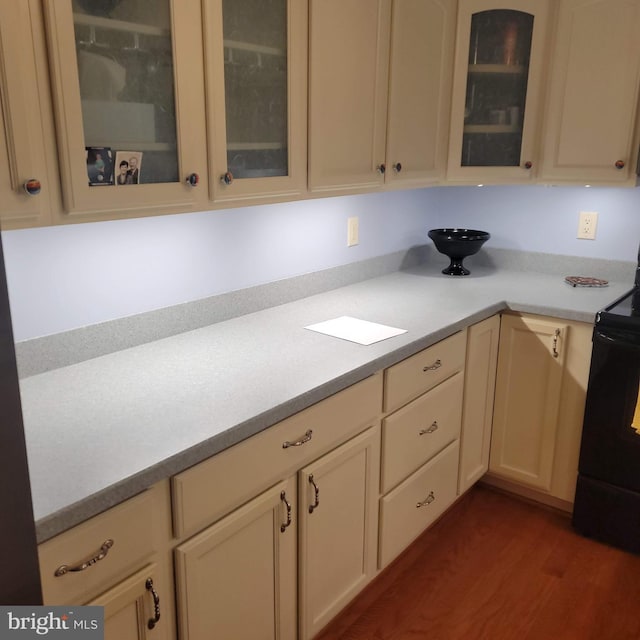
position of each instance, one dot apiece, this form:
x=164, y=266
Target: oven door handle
x=618, y=338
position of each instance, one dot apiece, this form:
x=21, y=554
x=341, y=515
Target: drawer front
x=423, y=371
x=433, y=487
x=414, y=434
x=136, y=529
x=213, y=488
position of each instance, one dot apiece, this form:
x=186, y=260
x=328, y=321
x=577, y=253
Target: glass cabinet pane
x=256, y=88
x=126, y=73
x=499, y=52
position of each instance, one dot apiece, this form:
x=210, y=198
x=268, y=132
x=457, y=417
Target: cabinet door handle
x=619, y=164
x=528, y=164
x=427, y=501
x=226, y=178
x=314, y=506
x=432, y=367
x=152, y=622
x=397, y=167
x=556, y=335
x=381, y=168
x=283, y=497
x=300, y=442
x=85, y=564
x=431, y=429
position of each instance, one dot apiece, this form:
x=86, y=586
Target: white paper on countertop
x=355, y=330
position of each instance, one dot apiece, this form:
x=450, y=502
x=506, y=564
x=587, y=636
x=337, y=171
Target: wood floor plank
x=498, y=568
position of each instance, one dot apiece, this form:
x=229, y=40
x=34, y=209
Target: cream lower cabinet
x=237, y=579
x=338, y=522
x=543, y=367
x=420, y=442
x=120, y=560
x=477, y=411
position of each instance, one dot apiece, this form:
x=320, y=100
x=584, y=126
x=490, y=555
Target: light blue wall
x=66, y=277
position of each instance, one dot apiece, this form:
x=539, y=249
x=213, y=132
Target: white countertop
x=102, y=430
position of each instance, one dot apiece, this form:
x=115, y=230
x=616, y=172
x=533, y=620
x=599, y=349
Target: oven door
x=610, y=449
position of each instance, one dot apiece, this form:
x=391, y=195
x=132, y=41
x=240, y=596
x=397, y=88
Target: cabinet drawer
x=136, y=528
x=412, y=506
x=414, y=434
x=423, y=371
x=211, y=489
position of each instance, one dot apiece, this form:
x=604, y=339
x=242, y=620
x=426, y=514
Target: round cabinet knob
x=381, y=168
x=528, y=164
x=32, y=187
x=193, y=179
x=397, y=167
x=619, y=164
x=226, y=178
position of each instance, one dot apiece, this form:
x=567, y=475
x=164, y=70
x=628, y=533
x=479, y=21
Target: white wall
x=66, y=277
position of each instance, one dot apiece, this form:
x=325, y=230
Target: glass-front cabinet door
x=496, y=96
x=127, y=82
x=255, y=61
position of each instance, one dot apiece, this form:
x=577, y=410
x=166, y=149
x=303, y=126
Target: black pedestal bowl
x=457, y=244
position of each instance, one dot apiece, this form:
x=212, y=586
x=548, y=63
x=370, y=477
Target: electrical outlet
x=587, y=225
x=352, y=231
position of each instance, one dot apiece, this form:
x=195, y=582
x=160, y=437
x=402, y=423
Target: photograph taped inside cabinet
x=256, y=76
x=27, y=154
x=126, y=80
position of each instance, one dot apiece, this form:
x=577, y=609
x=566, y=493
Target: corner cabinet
x=129, y=103
x=477, y=407
x=543, y=369
x=497, y=91
x=591, y=133
x=256, y=77
x=28, y=172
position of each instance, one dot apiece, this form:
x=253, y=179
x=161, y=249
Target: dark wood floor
x=497, y=568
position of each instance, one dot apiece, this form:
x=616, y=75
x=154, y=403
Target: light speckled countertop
x=101, y=430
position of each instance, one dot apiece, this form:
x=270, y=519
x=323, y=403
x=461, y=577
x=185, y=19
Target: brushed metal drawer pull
x=298, y=443
x=556, y=335
x=425, y=503
x=314, y=506
x=102, y=553
x=431, y=429
x=152, y=622
x=436, y=365
x=283, y=497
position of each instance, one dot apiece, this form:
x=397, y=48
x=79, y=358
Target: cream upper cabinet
x=338, y=497
x=237, y=579
x=28, y=183
x=127, y=82
x=543, y=368
x=348, y=74
x=256, y=75
x=379, y=87
x=477, y=409
x=497, y=91
x=421, y=62
x=590, y=125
